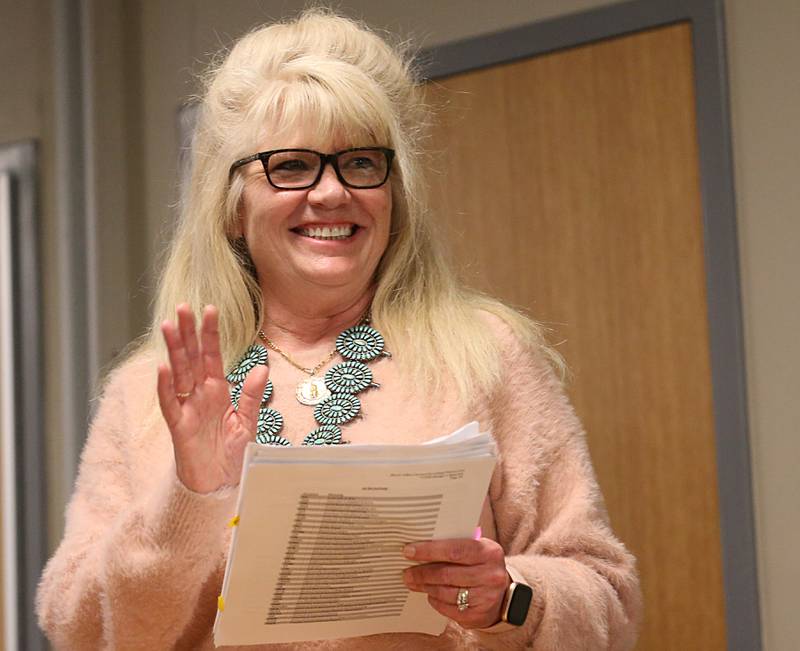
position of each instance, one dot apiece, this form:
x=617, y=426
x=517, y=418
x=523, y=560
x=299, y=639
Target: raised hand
x=208, y=435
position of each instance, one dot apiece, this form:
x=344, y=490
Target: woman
x=306, y=233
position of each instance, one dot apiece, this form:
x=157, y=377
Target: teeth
x=328, y=232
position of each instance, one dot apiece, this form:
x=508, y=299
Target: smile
x=337, y=232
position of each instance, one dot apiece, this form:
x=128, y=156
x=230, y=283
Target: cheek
x=385, y=212
x=246, y=212
x=262, y=209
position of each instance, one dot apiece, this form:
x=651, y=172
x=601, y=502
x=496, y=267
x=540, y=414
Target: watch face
x=519, y=604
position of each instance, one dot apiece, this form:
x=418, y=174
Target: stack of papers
x=317, y=549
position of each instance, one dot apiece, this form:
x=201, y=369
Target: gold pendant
x=311, y=391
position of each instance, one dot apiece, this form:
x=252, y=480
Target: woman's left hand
x=450, y=565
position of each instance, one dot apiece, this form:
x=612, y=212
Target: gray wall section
x=20, y=162
x=721, y=248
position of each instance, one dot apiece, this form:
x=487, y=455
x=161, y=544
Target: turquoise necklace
x=339, y=403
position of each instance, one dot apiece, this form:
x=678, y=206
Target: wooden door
x=569, y=187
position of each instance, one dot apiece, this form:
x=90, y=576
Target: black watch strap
x=517, y=603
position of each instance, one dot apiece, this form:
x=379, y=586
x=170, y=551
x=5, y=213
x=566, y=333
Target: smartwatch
x=516, y=603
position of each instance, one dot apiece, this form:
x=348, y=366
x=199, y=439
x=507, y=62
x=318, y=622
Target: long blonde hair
x=337, y=74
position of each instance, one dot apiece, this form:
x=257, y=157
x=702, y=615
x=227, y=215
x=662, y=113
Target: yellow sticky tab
x=221, y=603
x=234, y=521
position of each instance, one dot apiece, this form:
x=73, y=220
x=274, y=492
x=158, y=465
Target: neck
x=295, y=322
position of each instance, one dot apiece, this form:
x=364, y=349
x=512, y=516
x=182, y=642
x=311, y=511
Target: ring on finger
x=462, y=599
x=184, y=394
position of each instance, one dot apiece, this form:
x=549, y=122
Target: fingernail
x=409, y=551
x=478, y=533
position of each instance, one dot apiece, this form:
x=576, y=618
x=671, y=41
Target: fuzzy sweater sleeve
x=131, y=565
x=551, y=520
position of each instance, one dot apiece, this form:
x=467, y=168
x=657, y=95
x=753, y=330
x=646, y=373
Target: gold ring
x=462, y=599
x=184, y=395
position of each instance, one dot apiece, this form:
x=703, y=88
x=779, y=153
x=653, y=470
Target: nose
x=329, y=191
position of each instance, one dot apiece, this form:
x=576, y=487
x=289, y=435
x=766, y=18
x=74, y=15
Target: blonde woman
x=305, y=248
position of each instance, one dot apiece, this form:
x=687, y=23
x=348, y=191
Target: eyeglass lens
x=297, y=169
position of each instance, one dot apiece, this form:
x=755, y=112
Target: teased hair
x=334, y=73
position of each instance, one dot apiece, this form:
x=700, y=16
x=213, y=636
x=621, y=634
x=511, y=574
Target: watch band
x=516, y=603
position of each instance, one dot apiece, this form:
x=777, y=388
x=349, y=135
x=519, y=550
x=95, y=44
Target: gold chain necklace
x=309, y=371
x=309, y=391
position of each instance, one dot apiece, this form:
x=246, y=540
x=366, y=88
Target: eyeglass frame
x=264, y=156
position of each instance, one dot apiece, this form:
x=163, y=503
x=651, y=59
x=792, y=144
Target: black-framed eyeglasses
x=300, y=169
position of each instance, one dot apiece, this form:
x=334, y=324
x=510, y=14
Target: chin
x=337, y=277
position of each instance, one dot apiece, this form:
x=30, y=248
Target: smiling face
x=324, y=237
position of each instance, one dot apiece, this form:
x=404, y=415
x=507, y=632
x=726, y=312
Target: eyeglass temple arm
x=240, y=162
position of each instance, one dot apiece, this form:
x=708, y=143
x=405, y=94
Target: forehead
x=307, y=135
x=303, y=112
x=319, y=120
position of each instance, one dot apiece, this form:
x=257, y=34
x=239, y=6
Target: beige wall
x=26, y=112
x=763, y=53
x=144, y=54
x=24, y=73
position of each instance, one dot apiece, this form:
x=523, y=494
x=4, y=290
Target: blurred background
x=93, y=93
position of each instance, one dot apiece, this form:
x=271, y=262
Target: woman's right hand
x=208, y=434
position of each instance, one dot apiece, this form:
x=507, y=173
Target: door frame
x=728, y=373
x=24, y=469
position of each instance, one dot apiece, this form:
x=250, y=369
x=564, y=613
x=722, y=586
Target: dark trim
x=73, y=220
x=721, y=249
x=19, y=162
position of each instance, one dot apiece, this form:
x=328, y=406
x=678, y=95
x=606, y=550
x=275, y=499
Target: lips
x=327, y=232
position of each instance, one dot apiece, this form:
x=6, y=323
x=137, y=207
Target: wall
x=27, y=112
x=763, y=51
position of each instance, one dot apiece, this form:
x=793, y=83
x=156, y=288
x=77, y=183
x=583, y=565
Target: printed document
x=317, y=549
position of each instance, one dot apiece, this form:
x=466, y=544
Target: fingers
x=180, y=368
x=483, y=603
x=188, y=331
x=447, y=594
x=247, y=413
x=170, y=407
x=476, y=616
x=449, y=574
x=209, y=339
x=451, y=565
x=463, y=551
x=191, y=362
x=252, y=394
x=181, y=365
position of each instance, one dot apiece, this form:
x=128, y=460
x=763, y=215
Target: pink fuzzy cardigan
x=142, y=559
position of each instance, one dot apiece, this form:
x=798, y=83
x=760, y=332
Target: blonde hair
x=332, y=72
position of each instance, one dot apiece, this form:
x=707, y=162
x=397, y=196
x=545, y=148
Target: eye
x=289, y=165
x=294, y=168
x=362, y=161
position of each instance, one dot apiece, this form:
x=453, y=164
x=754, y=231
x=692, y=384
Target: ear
x=236, y=227
x=239, y=245
x=236, y=230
